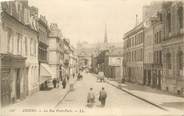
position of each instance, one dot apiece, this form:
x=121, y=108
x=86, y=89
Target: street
x=118, y=102
x=54, y=55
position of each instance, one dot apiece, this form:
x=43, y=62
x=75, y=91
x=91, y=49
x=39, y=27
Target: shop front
x=45, y=76
x=13, y=79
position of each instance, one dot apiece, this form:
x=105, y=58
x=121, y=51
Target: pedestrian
x=101, y=76
x=90, y=98
x=102, y=97
x=68, y=77
x=54, y=82
x=45, y=85
x=78, y=76
x=71, y=83
x=81, y=76
x=64, y=83
x=57, y=82
x=73, y=75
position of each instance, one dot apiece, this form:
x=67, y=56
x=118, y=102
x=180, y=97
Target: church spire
x=105, y=36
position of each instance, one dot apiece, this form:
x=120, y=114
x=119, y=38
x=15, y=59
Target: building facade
x=113, y=64
x=173, y=47
x=162, y=47
x=67, y=57
x=55, y=51
x=133, y=54
x=148, y=52
x=73, y=62
x=18, y=51
x=151, y=9
x=153, y=52
x=44, y=69
x=158, y=34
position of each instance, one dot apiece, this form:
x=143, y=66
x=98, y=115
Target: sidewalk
x=153, y=96
x=46, y=99
x=43, y=99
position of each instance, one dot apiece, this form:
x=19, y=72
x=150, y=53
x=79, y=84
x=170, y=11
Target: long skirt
x=103, y=101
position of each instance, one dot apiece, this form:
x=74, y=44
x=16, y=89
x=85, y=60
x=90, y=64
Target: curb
x=63, y=97
x=130, y=93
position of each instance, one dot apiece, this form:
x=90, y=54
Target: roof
x=134, y=30
x=116, y=52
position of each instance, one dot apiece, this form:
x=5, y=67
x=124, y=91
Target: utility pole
x=136, y=23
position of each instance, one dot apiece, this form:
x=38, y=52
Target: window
x=156, y=37
x=160, y=57
x=154, y=57
x=19, y=43
x=168, y=60
x=133, y=43
x=142, y=36
x=31, y=47
x=180, y=16
x=141, y=54
x=169, y=21
x=35, y=47
x=160, y=36
x=180, y=60
x=9, y=35
x=160, y=16
x=25, y=46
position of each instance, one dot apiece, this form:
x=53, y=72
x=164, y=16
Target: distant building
x=113, y=67
x=84, y=52
x=67, y=56
x=73, y=61
x=90, y=54
x=55, y=51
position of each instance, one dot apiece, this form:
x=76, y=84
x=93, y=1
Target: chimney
x=136, y=23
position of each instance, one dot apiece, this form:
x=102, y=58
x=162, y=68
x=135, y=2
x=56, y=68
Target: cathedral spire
x=105, y=36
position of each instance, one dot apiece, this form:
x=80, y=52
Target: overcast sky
x=84, y=20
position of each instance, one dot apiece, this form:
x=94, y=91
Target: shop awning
x=45, y=72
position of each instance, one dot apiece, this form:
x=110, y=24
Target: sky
x=84, y=20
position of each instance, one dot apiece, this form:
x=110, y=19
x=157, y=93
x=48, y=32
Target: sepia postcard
x=92, y=57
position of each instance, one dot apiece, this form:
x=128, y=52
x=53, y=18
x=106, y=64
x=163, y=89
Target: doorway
x=5, y=87
x=17, y=84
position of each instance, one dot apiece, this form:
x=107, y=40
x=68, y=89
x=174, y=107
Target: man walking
x=101, y=76
x=54, y=82
x=102, y=97
x=64, y=83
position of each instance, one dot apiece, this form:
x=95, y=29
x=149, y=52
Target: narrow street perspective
x=118, y=102
x=92, y=57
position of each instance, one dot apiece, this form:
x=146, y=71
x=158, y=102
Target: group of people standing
x=79, y=76
x=56, y=83
x=65, y=80
x=91, y=97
